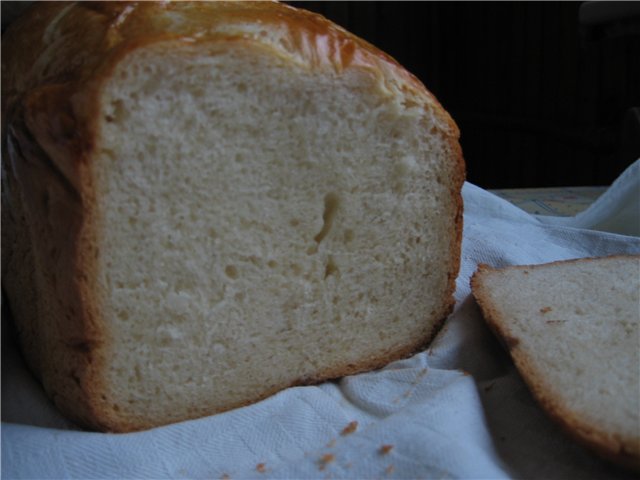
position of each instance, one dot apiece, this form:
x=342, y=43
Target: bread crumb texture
x=577, y=343
x=257, y=216
x=258, y=209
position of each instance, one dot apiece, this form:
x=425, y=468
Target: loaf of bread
x=572, y=329
x=205, y=203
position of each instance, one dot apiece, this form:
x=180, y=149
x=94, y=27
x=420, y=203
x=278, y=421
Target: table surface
x=556, y=201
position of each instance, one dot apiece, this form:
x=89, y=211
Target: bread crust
x=622, y=451
x=56, y=59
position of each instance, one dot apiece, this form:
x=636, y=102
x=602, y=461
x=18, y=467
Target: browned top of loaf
x=55, y=60
x=57, y=53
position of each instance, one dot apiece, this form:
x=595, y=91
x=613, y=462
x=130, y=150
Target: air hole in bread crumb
x=117, y=112
x=231, y=271
x=331, y=204
x=331, y=268
x=348, y=235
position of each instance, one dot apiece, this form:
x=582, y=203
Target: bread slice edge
x=622, y=451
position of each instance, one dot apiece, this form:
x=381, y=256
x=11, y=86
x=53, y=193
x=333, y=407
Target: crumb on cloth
x=325, y=460
x=385, y=449
x=350, y=428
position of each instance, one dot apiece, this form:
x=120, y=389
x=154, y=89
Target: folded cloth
x=616, y=211
x=458, y=409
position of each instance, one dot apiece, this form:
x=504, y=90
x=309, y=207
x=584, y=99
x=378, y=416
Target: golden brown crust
x=456, y=193
x=55, y=60
x=96, y=34
x=624, y=452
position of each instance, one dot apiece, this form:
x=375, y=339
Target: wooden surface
x=559, y=201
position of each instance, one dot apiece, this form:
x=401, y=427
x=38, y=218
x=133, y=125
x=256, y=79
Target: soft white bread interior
x=256, y=199
x=572, y=329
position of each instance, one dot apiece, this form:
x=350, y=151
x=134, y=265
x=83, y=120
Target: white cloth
x=457, y=410
x=616, y=211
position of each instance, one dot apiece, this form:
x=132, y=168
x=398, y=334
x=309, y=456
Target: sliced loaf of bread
x=572, y=329
x=207, y=202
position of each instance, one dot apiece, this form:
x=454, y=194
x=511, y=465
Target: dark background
x=543, y=92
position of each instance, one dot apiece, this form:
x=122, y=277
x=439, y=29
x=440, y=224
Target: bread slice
x=207, y=202
x=572, y=330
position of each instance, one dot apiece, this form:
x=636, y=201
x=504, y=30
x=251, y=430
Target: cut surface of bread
x=572, y=329
x=219, y=201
